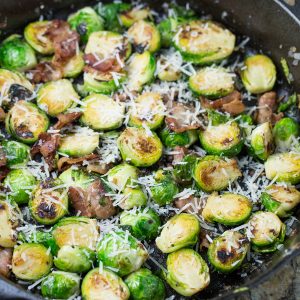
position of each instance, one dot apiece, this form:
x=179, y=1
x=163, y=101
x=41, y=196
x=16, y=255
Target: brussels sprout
x=187, y=273
x=76, y=231
x=172, y=139
x=139, y=148
x=141, y=70
x=166, y=70
x=20, y=182
x=74, y=259
x=31, y=261
x=285, y=132
x=133, y=197
x=143, y=285
x=216, y=118
x=281, y=200
x=179, y=232
x=284, y=167
x=227, y=252
x=129, y=17
x=212, y=82
x=103, y=284
x=55, y=97
x=81, y=142
x=183, y=171
x=261, y=141
x=228, y=209
x=167, y=29
x=144, y=223
x=203, y=41
x=74, y=66
x=25, y=121
x=266, y=231
x=76, y=177
x=164, y=189
x=259, y=74
x=85, y=21
x=49, y=202
x=121, y=251
x=60, y=285
x=224, y=139
x=148, y=110
x=213, y=173
x=15, y=54
x=291, y=101
x=101, y=112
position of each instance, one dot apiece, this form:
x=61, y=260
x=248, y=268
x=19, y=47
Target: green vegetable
x=134, y=15
x=133, y=197
x=292, y=100
x=183, y=171
x=172, y=139
x=167, y=29
x=286, y=69
x=74, y=66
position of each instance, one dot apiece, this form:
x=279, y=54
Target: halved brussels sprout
x=31, y=261
x=167, y=29
x=49, y=202
x=143, y=223
x=212, y=82
x=55, y=97
x=179, y=232
x=85, y=21
x=76, y=231
x=224, y=139
x=143, y=285
x=74, y=259
x=144, y=36
x=16, y=54
x=21, y=183
x=101, y=112
x=121, y=251
x=259, y=74
x=25, y=121
x=139, y=148
x=284, y=167
x=148, y=110
x=213, y=173
x=172, y=139
x=141, y=70
x=228, y=209
x=261, y=141
x=166, y=71
x=183, y=171
x=227, y=252
x=203, y=41
x=60, y=285
x=76, y=177
x=82, y=141
x=127, y=18
x=281, y=200
x=133, y=197
x=187, y=273
x=103, y=284
x=74, y=66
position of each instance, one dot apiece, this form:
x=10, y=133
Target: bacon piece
x=44, y=72
x=66, y=162
x=189, y=205
x=106, y=65
x=3, y=158
x=180, y=153
x=5, y=261
x=2, y=115
x=66, y=119
x=3, y=172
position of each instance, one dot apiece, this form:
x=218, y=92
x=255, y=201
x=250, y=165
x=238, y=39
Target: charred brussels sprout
x=16, y=54
x=121, y=251
x=139, y=148
x=133, y=15
x=179, y=232
x=183, y=171
x=213, y=173
x=133, y=197
x=227, y=252
x=103, y=284
x=143, y=223
x=31, y=261
x=259, y=74
x=187, y=273
x=172, y=139
x=281, y=200
x=143, y=285
x=25, y=121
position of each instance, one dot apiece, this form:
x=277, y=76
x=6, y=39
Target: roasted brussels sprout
x=25, y=121
x=172, y=139
x=139, y=148
x=60, y=285
x=143, y=223
x=101, y=112
x=102, y=284
x=187, y=273
x=31, y=261
x=16, y=54
x=213, y=173
x=166, y=70
x=74, y=66
x=179, y=232
x=259, y=74
x=143, y=285
x=167, y=29
x=284, y=167
x=227, y=252
x=212, y=82
x=281, y=200
x=183, y=171
x=127, y=18
x=121, y=251
x=133, y=197
x=203, y=42
x=76, y=177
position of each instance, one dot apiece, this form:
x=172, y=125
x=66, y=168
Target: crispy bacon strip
x=3, y=172
x=106, y=65
x=65, y=162
x=66, y=119
x=5, y=261
x=2, y=115
x=44, y=72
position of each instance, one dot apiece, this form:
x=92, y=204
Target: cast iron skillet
x=270, y=25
